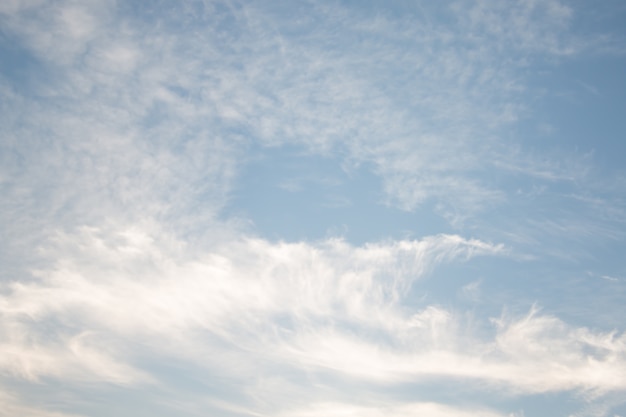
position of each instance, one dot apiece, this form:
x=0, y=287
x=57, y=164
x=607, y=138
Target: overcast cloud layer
x=312, y=209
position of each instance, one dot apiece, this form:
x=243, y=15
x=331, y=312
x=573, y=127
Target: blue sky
x=303, y=209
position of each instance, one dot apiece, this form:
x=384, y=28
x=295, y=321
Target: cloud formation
x=128, y=270
x=253, y=308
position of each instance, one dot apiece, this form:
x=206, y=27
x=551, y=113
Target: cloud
x=535, y=354
x=135, y=87
x=536, y=27
x=12, y=405
x=250, y=307
x=113, y=298
x=417, y=409
x=472, y=291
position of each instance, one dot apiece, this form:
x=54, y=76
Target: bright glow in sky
x=312, y=208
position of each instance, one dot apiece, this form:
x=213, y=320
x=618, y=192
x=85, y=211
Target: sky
x=329, y=208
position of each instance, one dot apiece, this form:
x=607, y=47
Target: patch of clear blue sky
x=19, y=68
x=578, y=102
x=291, y=194
x=580, y=105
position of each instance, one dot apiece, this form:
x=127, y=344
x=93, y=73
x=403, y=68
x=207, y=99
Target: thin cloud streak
x=12, y=405
x=417, y=409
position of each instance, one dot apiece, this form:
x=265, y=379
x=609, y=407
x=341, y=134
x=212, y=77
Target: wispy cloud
x=428, y=121
x=430, y=409
x=253, y=307
x=12, y=405
x=114, y=298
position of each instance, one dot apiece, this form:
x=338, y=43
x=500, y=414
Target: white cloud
x=427, y=121
x=472, y=291
x=528, y=25
x=11, y=405
x=57, y=32
x=532, y=355
x=328, y=307
x=113, y=297
x=409, y=410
